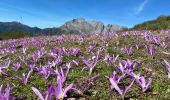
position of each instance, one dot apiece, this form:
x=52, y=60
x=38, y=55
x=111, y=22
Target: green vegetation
x=13, y=35
x=161, y=23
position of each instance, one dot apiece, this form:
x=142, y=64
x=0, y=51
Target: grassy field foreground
x=129, y=65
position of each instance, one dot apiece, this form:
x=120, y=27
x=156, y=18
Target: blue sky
x=53, y=13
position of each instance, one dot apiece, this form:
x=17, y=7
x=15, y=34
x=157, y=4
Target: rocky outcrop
x=112, y=28
x=80, y=25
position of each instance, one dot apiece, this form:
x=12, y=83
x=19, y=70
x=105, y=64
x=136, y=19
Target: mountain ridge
x=75, y=26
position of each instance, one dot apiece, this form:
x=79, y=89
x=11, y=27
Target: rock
x=112, y=28
x=80, y=25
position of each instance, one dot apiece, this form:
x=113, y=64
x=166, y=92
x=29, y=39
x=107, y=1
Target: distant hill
x=7, y=27
x=162, y=22
x=75, y=26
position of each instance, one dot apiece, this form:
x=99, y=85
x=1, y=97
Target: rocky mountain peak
x=81, y=25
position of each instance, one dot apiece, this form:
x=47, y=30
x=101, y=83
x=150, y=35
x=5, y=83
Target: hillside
x=6, y=27
x=162, y=22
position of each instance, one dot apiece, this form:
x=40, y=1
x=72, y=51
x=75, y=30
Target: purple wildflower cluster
x=47, y=58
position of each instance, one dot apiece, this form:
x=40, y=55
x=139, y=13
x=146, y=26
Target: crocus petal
x=127, y=88
x=1, y=90
x=59, y=83
x=7, y=92
x=26, y=78
x=121, y=68
x=67, y=89
x=114, y=84
x=149, y=83
x=142, y=82
x=38, y=93
x=116, y=58
x=130, y=73
x=167, y=63
x=49, y=92
x=87, y=63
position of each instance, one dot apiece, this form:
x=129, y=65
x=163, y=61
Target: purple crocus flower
x=17, y=66
x=6, y=94
x=48, y=93
x=127, y=50
x=138, y=46
x=150, y=49
x=23, y=59
x=54, y=52
x=157, y=40
x=4, y=66
x=38, y=54
x=64, y=51
x=24, y=49
x=131, y=74
x=44, y=71
x=58, y=60
x=82, y=88
x=130, y=64
x=1, y=70
x=106, y=59
x=116, y=77
x=58, y=91
x=35, y=57
x=114, y=58
x=91, y=63
x=24, y=77
x=167, y=65
x=109, y=59
x=140, y=80
x=122, y=68
x=90, y=48
x=60, y=74
x=12, y=49
x=126, y=66
x=74, y=51
x=51, y=64
x=114, y=80
x=69, y=66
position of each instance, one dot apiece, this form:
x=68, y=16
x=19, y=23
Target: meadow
x=117, y=65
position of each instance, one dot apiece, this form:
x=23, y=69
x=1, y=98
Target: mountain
x=80, y=25
x=75, y=26
x=162, y=22
x=6, y=27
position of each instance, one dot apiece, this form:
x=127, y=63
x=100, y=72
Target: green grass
x=159, y=90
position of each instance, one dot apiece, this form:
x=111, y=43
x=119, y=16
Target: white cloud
x=140, y=8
